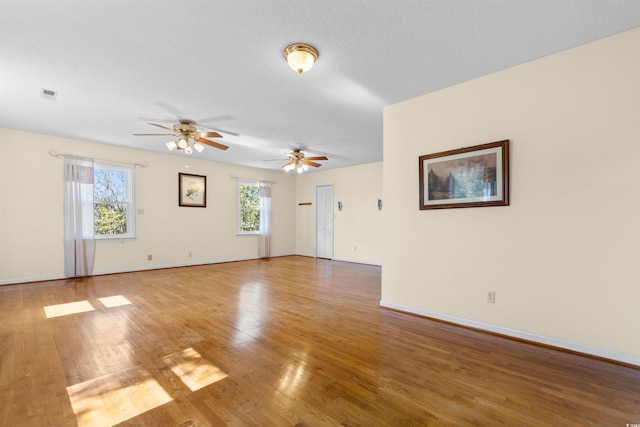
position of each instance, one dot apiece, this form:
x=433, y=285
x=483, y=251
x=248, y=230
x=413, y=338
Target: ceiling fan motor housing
x=184, y=127
x=296, y=155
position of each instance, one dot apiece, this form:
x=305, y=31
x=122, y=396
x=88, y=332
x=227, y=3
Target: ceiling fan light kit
x=298, y=166
x=300, y=163
x=188, y=137
x=300, y=56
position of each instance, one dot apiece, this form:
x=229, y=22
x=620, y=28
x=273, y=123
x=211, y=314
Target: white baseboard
x=31, y=279
x=162, y=266
x=353, y=261
x=130, y=269
x=358, y=261
x=632, y=359
x=311, y=255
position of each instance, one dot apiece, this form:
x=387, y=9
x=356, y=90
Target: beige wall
x=31, y=224
x=357, y=228
x=564, y=257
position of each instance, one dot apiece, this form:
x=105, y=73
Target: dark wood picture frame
x=468, y=177
x=192, y=190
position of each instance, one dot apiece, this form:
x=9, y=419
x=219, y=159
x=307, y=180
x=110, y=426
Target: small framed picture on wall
x=192, y=190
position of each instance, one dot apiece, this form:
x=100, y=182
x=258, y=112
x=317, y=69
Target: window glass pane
x=114, y=207
x=110, y=218
x=249, y=197
x=249, y=220
x=110, y=185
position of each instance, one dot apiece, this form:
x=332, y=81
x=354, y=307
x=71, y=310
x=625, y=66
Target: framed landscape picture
x=467, y=177
x=192, y=190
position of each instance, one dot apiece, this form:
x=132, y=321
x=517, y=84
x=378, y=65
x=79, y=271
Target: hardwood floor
x=280, y=342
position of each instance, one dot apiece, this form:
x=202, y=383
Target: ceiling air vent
x=48, y=94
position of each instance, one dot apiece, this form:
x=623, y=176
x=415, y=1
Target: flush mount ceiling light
x=300, y=56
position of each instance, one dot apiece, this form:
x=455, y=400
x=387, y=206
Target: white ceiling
x=117, y=65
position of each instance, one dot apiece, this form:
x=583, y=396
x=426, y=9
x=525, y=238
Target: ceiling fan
x=300, y=163
x=188, y=137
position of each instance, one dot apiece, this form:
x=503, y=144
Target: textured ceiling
x=117, y=65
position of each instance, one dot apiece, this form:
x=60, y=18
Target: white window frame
x=239, y=209
x=130, y=202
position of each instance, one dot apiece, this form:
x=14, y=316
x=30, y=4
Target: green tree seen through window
x=111, y=202
x=249, y=208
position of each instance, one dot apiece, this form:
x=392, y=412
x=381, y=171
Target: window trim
x=239, y=209
x=130, y=202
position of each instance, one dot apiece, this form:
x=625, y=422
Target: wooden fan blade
x=317, y=158
x=152, y=134
x=208, y=134
x=211, y=143
x=284, y=166
x=163, y=127
x=310, y=163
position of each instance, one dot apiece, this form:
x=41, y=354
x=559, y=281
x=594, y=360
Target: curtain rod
x=252, y=179
x=52, y=153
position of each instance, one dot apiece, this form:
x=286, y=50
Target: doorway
x=324, y=221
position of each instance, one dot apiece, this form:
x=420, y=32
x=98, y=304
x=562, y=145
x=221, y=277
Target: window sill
x=113, y=238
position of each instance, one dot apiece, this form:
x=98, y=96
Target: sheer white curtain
x=79, y=244
x=265, y=220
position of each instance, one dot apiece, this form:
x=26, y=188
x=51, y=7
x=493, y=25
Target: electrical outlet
x=491, y=297
x=149, y=257
x=189, y=254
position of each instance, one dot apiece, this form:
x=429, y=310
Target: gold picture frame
x=467, y=177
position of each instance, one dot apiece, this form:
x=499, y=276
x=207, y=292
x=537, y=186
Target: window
x=113, y=206
x=248, y=207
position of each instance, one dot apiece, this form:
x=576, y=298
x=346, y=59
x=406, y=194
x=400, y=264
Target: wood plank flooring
x=290, y=341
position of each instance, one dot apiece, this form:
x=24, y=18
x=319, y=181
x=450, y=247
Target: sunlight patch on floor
x=112, y=399
x=67, y=309
x=194, y=371
x=114, y=301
